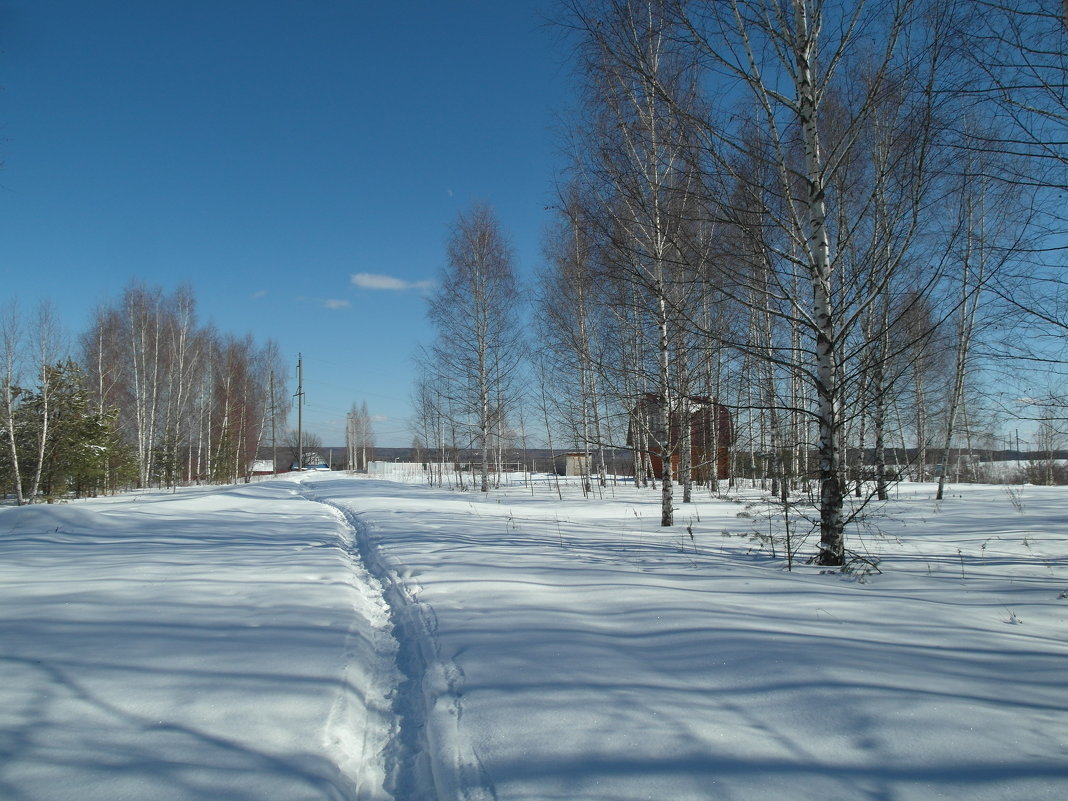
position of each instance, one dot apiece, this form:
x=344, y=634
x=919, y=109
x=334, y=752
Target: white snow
x=320, y=636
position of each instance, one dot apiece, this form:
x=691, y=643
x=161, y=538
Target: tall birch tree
x=476, y=313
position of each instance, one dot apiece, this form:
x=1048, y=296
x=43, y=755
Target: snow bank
x=237, y=644
x=575, y=650
x=206, y=645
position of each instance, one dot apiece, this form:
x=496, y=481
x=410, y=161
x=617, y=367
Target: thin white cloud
x=387, y=282
x=262, y=293
x=333, y=303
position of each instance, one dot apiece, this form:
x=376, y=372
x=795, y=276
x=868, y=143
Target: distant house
x=711, y=434
x=262, y=467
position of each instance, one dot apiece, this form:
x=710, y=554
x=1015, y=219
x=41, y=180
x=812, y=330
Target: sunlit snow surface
x=325, y=637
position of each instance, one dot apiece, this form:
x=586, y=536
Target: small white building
x=575, y=463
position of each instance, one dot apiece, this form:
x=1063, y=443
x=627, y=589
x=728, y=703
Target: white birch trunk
x=11, y=343
x=832, y=537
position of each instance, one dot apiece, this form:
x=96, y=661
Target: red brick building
x=711, y=434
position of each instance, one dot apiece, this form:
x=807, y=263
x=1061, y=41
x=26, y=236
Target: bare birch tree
x=569, y=314
x=11, y=341
x=819, y=83
x=476, y=314
x=640, y=157
x=359, y=436
x=47, y=345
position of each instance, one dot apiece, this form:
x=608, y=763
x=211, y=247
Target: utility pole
x=300, y=411
x=274, y=433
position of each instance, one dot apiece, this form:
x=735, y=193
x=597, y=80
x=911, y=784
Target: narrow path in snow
x=401, y=659
x=362, y=725
x=428, y=757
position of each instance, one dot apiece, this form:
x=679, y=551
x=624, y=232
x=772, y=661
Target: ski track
x=361, y=723
x=426, y=758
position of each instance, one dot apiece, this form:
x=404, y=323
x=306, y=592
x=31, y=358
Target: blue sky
x=266, y=152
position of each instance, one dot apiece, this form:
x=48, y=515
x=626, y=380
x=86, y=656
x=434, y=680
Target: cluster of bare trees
x=359, y=437
x=813, y=211
x=837, y=219
x=469, y=380
x=161, y=398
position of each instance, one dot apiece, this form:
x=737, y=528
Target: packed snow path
x=208, y=645
x=428, y=759
x=236, y=644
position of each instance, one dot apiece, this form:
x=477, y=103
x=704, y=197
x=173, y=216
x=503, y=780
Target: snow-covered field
x=329, y=637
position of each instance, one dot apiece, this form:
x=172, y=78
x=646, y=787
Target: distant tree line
x=147, y=396
x=842, y=220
